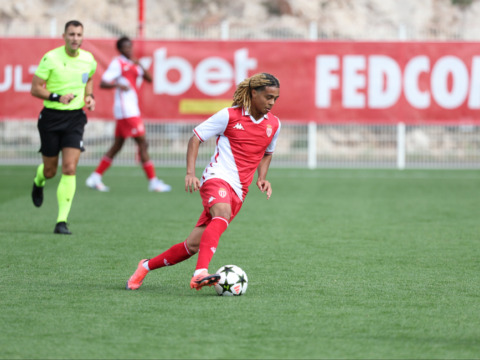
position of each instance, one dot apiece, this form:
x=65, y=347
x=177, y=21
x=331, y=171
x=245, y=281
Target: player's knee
x=194, y=239
x=224, y=214
x=113, y=151
x=69, y=169
x=49, y=172
x=143, y=145
x=221, y=210
x=193, y=245
x=193, y=248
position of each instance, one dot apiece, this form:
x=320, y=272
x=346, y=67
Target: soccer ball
x=233, y=281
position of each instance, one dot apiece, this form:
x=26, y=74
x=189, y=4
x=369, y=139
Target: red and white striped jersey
x=125, y=72
x=241, y=144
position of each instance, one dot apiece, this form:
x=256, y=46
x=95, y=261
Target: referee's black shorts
x=59, y=129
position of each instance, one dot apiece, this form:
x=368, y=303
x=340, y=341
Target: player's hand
x=191, y=183
x=123, y=87
x=65, y=99
x=90, y=103
x=265, y=187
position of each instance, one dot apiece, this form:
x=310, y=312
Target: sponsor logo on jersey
x=222, y=192
x=269, y=130
x=238, y=126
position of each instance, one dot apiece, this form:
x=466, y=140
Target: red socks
x=209, y=241
x=149, y=169
x=105, y=163
x=177, y=253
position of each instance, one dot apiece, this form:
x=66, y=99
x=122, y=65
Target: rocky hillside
x=340, y=19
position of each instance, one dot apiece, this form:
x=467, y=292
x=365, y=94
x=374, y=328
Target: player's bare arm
x=147, y=76
x=192, y=183
x=89, y=99
x=262, y=183
x=113, y=85
x=39, y=90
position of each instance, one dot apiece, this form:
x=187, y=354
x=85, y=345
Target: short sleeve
x=273, y=143
x=113, y=72
x=44, y=68
x=214, y=125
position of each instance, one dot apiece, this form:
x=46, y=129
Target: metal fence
x=227, y=31
x=299, y=146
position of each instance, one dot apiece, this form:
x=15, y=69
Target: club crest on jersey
x=222, y=192
x=269, y=130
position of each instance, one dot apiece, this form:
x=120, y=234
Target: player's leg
x=49, y=147
x=154, y=183
x=94, y=181
x=220, y=217
x=66, y=187
x=46, y=170
x=174, y=255
x=222, y=204
x=50, y=166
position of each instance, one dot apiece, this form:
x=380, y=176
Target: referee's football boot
x=37, y=195
x=204, y=279
x=61, y=228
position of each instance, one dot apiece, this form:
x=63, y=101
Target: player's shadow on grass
x=168, y=290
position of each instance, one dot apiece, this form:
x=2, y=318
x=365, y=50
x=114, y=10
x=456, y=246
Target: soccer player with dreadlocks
x=246, y=135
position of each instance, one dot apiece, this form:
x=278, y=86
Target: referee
x=63, y=80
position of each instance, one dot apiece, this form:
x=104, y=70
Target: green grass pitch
x=341, y=263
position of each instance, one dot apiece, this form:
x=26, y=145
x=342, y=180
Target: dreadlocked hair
x=243, y=96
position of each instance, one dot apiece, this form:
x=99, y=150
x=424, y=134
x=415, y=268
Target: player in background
x=64, y=81
x=123, y=75
x=246, y=135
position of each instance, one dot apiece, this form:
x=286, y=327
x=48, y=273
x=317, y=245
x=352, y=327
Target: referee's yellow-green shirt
x=65, y=74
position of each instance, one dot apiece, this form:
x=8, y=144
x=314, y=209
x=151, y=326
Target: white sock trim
x=198, y=271
x=186, y=248
x=145, y=265
x=221, y=218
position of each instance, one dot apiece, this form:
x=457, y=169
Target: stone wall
x=344, y=19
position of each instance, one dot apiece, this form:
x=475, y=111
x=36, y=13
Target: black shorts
x=59, y=129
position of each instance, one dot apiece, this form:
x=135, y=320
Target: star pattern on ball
x=227, y=270
x=233, y=281
x=227, y=287
x=241, y=279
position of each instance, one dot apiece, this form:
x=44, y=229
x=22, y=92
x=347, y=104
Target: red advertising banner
x=325, y=82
